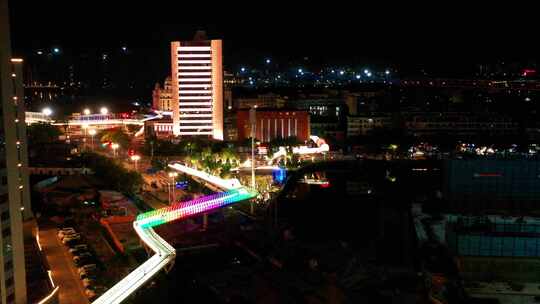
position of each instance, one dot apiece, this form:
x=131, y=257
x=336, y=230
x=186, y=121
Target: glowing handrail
x=227, y=184
x=164, y=252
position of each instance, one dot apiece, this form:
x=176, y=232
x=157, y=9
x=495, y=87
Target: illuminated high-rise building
x=197, y=87
x=13, y=191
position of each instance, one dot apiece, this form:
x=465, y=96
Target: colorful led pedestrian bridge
x=193, y=207
x=164, y=252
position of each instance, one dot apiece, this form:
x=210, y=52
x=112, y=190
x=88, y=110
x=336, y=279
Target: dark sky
x=448, y=36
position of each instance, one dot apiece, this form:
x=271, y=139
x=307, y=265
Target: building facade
x=269, y=100
x=160, y=128
x=361, y=125
x=490, y=184
x=272, y=124
x=12, y=262
x=197, y=87
x=457, y=123
x=162, y=97
x=328, y=116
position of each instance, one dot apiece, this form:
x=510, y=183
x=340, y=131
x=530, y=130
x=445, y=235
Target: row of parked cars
x=84, y=260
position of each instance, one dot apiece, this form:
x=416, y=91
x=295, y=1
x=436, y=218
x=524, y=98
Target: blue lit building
x=480, y=184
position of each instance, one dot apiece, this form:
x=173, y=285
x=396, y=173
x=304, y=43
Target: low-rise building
x=457, y=123
x=161, y=128
x=362, y=125
x=269, y=100
x=274, y=123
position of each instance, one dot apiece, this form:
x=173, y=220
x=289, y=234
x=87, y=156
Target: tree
x=117, y=136
x=40, y=133
x=113, y=174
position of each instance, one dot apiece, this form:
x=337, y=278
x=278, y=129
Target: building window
x=9, y=282
x=6, y=232
x=8, y=266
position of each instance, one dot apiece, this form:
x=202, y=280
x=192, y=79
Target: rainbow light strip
x=194, y=207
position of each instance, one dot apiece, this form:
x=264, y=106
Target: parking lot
x=64, y=272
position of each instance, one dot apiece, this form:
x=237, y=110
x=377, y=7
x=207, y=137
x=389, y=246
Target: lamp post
x=92, y=132
x=86, y=111
x=115, y=146
x=135, y=158
x=104, y=111
x=253, y=122
x=85, y=128
x=173, y=176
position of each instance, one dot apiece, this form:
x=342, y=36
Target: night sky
x=443, y=34
x=445, y=41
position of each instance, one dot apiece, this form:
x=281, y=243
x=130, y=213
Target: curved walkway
x=164, y=253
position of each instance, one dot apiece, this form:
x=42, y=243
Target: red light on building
x=325, y=185
x=488, y=174
x=131, y=152
x=528, y=72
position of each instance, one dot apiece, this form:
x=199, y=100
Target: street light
x=46, y=111
x=104, y=111
x=135, y=158
x=173, y=176
x=92, y=132
x=85, y=128
x=115, y=146
x=87, y=111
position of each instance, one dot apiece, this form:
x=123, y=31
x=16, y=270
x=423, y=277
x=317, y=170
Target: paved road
x=63, y=271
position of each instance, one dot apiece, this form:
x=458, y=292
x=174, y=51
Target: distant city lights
x=341, y=72
x=243, y=69
x=387, y=72
x=366, y=71
x=358, y=76
x=39, y=52
x=124, y=48
x=268, y=61
x=300, y=71
x=56, y=50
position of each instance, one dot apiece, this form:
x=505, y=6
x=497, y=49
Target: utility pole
x=253, y=121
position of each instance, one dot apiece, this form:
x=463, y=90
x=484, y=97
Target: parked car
x=82, y=255
x=74, y=242
x=87, y=267
x=69, y=235
x=88, y=283
x=77, y=249
x=86, y=259
x=64, y=232
x=88, y=274
x=87, y=271
x=71, y=240
x=83, y=261
x=93, y=293
x=81, y=252
x=90, y=294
